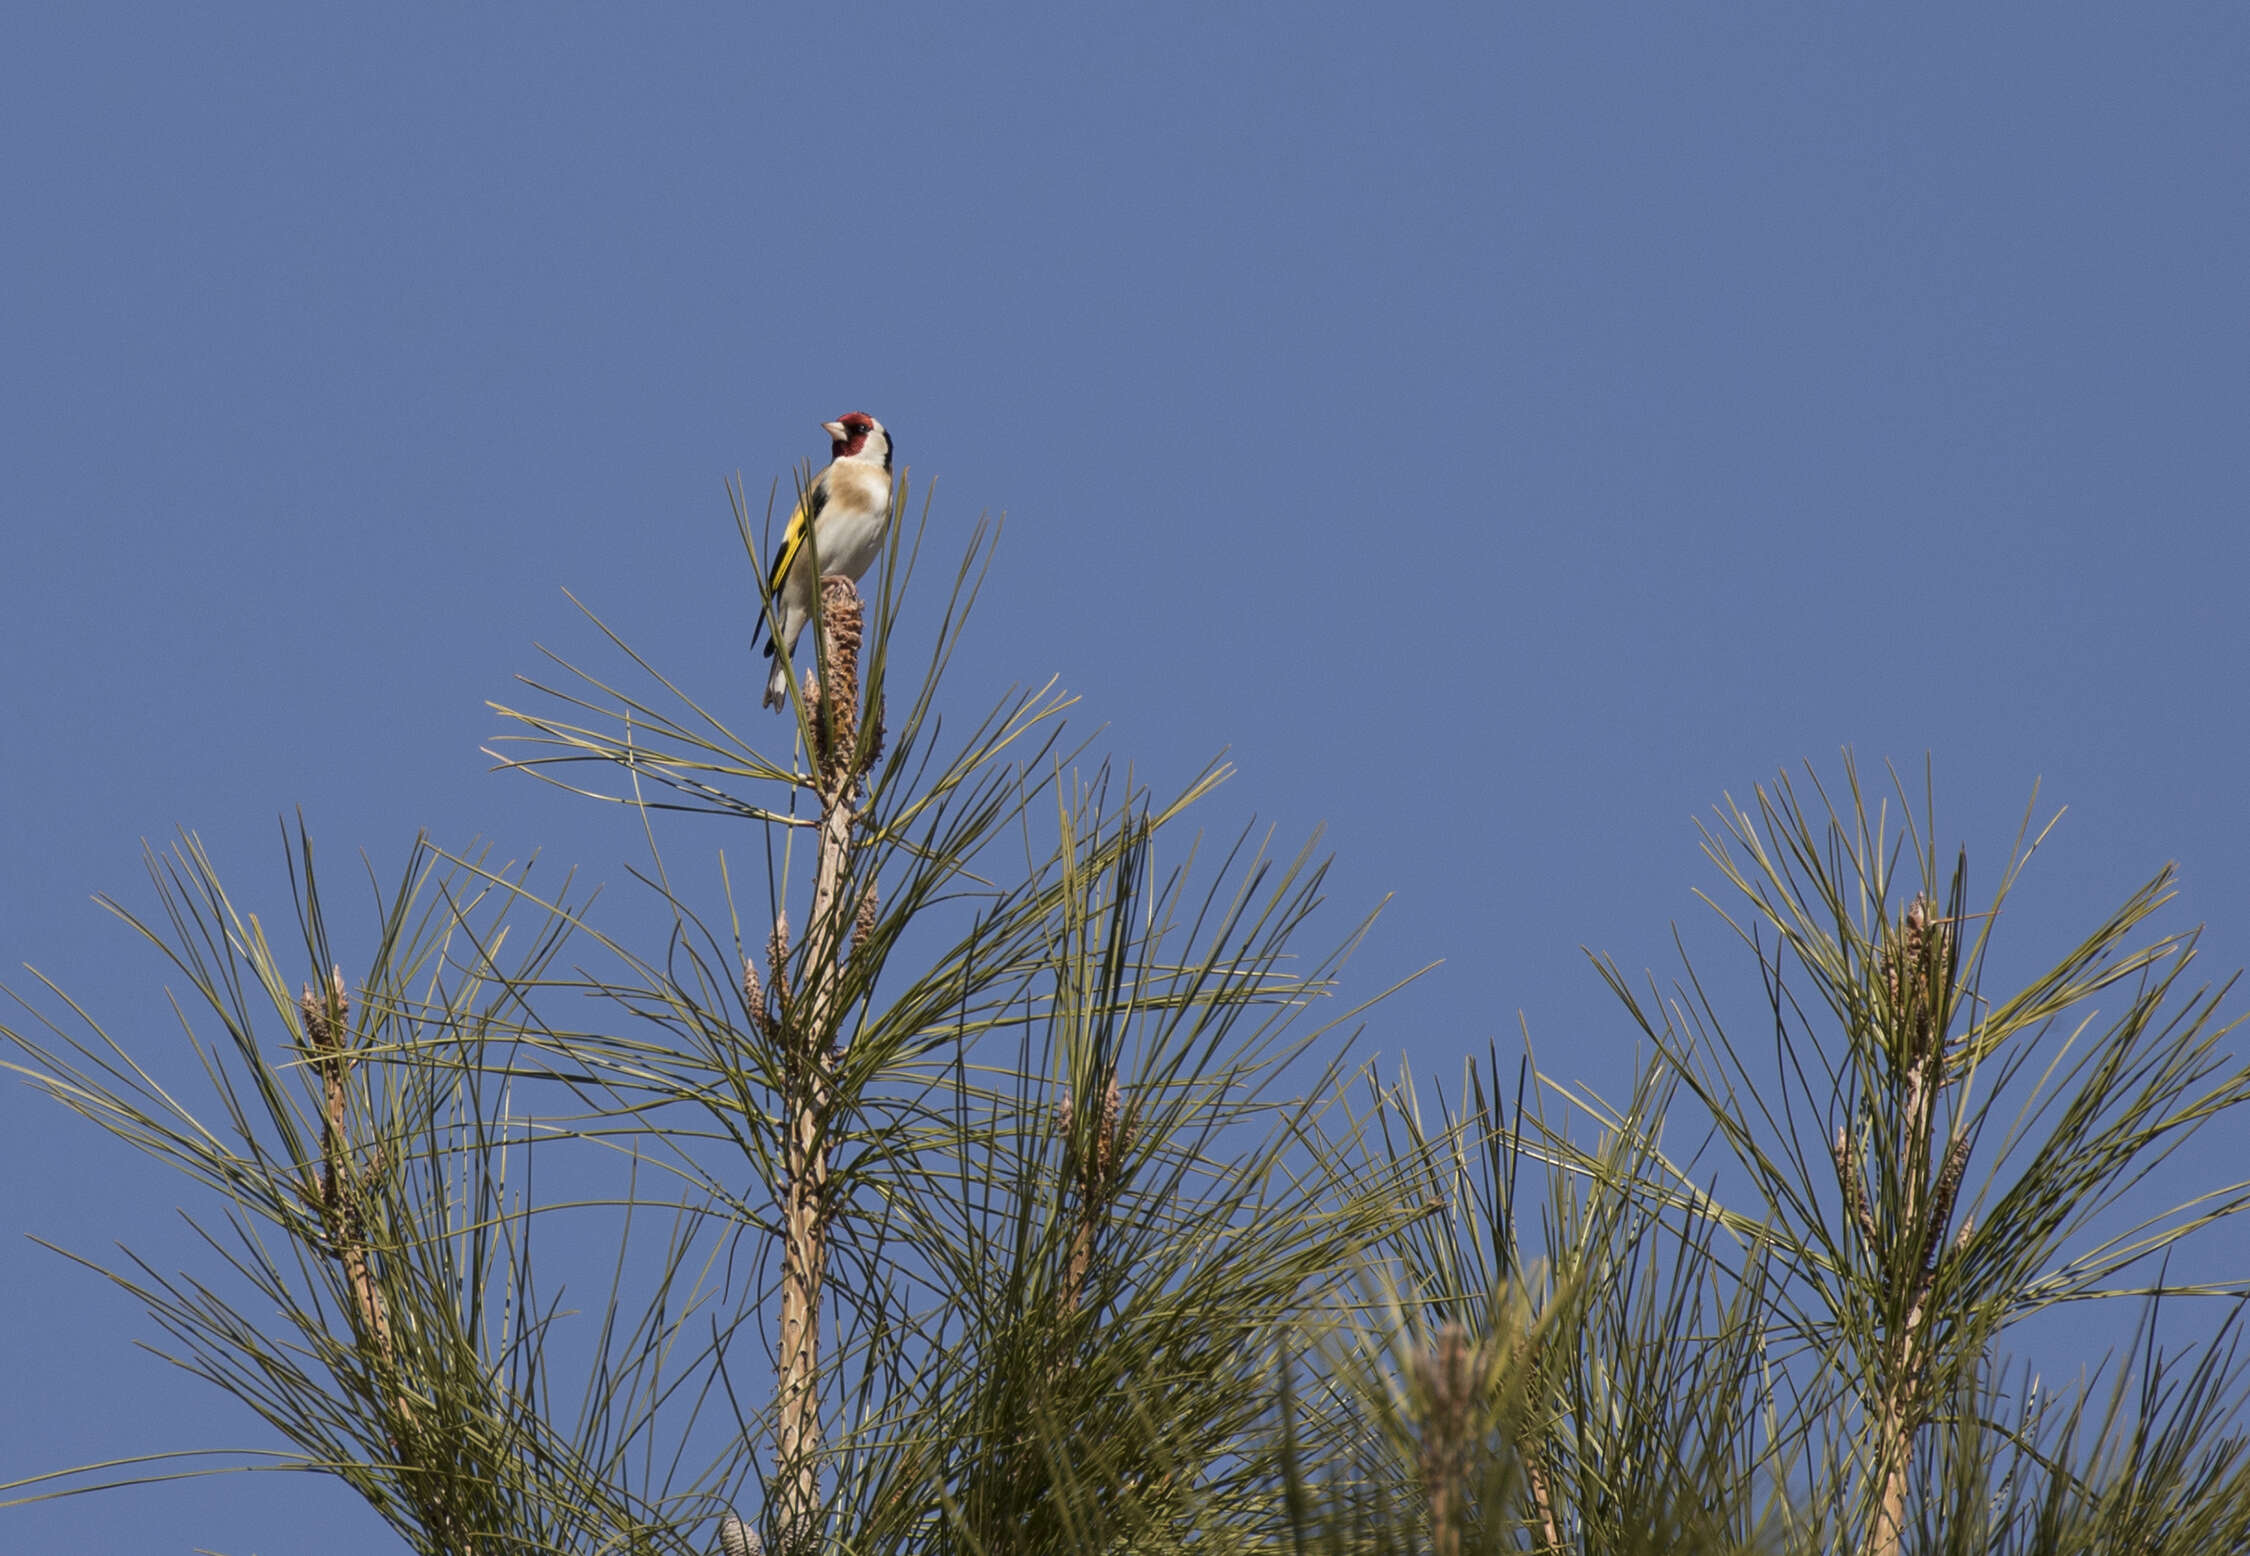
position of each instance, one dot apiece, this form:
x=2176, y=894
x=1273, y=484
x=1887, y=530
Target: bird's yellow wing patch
x=793, y=538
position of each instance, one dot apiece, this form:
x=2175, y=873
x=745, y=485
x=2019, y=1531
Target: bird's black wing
x=792, y=542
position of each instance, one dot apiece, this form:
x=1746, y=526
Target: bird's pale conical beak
x=835, y=429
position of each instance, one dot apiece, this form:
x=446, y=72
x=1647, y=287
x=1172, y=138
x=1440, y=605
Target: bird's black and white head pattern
x=859, y=436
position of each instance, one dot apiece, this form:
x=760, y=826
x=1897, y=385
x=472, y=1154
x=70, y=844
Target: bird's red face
x=848, y=434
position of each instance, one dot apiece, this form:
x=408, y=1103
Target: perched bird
x=845, y=509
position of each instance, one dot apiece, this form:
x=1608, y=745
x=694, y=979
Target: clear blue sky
x=1507, y=429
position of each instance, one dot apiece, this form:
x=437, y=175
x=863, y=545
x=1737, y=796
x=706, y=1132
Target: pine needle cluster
x=985, y=1169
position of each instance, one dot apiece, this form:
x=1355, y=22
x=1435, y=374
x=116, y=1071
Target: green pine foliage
x=977, y=1163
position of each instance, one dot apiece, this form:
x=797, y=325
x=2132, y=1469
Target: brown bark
x=807, y=1027
x=1097, y=1184
x=1919, y=977
x=1542, y=1502
x=327, y=1016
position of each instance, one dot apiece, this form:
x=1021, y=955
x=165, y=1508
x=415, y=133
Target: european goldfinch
x=846, y=508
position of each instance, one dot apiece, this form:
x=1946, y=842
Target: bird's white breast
x=850, y=531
